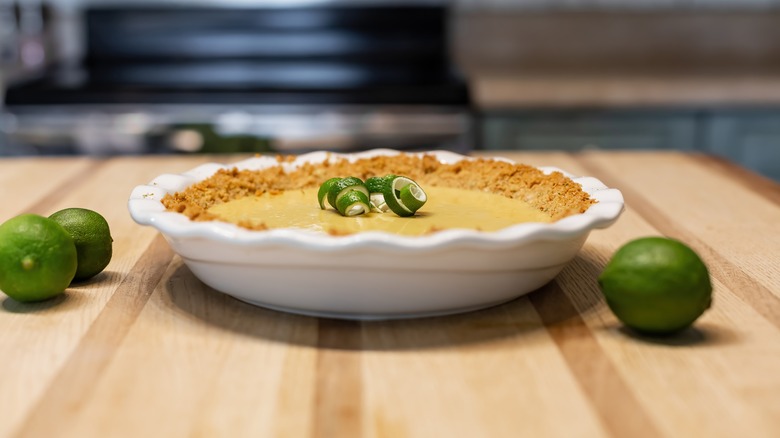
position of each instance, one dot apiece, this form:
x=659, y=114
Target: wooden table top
x=145, y=349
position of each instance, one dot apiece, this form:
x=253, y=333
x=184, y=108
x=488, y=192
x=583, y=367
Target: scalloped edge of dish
x=146, y=208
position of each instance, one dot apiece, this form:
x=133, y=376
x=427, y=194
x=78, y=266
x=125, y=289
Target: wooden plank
x=98, y=344
x=662, y=189
x=42, y=337
x=488, y=373
x=681, y=370
x=338, y=404
x=33, y=185
x=709, y=228
x=616, y=405
x=750, y=180
x=199, y=363
x=176, y=358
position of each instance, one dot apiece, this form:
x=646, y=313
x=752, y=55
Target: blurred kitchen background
x=110, y=77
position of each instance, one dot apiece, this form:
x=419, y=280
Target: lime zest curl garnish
x=404, y=196
x=351, y=196
x=376, y=187
x=353, y=203
x=413, y=197
x=343, y=186
x=376, y=184
x=322, y=194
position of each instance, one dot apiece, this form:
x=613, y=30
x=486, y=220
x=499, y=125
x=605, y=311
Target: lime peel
x=38, y=258
x=399, y=194
x=28, y=263
x=656, y=285
x=349, y=196
x=353, y=203
x=92, y=235
x=322, y=194
x=413, y=198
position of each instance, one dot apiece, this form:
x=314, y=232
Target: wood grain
x=761, y=298
x=99, y=344
x=146, y=349
x=32, y=186
x=338, y=403
x=597, y=375
x=752, y=181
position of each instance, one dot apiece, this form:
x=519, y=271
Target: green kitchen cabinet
x=575, y=130
x=750, y=138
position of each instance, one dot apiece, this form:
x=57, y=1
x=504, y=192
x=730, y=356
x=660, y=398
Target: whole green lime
x=656, y=285
x=91, y=233
x=37, y=258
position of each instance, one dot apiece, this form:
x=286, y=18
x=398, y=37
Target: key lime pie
x=299, y=234
x=477, y=194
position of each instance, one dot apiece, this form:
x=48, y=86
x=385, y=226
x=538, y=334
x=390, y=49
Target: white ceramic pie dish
x=370, y=275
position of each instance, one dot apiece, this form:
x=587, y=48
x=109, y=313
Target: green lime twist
x=353, y=203
x=349, y=196
x=404, y=196
x=322, y=193
x=400, y=194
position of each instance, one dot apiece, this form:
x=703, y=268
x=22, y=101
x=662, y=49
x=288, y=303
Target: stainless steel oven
x=336, y=76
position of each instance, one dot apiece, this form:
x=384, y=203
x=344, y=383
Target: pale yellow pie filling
x=446, y=208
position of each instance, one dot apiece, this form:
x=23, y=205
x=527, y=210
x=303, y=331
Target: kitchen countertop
x=145, y=349
x=505, y=91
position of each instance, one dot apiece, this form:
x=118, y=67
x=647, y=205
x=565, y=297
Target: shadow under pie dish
x=337, y=272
